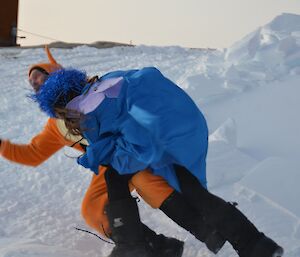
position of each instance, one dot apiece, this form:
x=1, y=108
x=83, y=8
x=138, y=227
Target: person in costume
x=139, y=119
x=153, y=189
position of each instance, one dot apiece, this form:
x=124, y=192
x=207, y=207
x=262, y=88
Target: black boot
x=265, y=247
x=241, y=233
x=177, y=208
x=127, y=230
x=133, y=238
x=161, y=245
x=229, y=221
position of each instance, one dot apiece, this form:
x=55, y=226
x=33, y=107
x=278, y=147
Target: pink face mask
x=89, y=101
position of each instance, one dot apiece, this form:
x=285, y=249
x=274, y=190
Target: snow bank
x=276, y=179
x=270, y=53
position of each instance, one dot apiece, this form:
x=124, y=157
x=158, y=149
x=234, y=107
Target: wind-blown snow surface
x=250, y=95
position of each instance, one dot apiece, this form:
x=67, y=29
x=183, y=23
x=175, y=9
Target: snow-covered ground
x=250, y=95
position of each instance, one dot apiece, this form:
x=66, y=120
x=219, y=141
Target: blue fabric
x=151, y=124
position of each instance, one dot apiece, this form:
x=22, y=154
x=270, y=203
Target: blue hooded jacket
x=148, y=122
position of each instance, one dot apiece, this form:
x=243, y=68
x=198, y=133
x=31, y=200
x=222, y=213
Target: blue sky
x=188, y=23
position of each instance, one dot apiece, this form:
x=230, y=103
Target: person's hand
x=83, y=161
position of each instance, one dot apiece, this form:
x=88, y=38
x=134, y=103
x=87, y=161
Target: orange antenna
x=50, y=57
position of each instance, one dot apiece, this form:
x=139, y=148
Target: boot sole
x=278, y=253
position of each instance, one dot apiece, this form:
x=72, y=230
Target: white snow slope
x=250, y=95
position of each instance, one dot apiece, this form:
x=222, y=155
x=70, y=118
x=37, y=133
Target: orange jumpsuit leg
x=93, y=204
x=153, y=189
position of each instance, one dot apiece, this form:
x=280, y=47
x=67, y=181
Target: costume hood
x=49, y=67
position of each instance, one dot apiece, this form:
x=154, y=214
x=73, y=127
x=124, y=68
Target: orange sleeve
x=41, y=147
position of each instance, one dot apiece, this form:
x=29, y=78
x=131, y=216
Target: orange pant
x=153, y=189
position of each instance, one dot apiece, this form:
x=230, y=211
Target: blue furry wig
x=60, y=87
